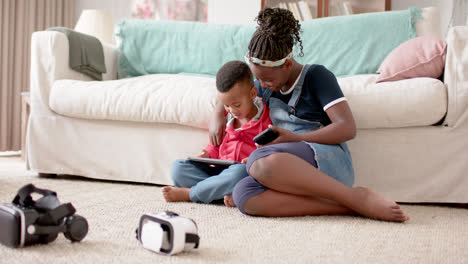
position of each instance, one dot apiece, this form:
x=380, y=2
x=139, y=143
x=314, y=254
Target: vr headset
x=26, y=221
x=167, y=233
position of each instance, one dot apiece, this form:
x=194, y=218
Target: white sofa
x=411, y=145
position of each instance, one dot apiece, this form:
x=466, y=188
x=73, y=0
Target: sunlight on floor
x=9, y=153
x=12, y=165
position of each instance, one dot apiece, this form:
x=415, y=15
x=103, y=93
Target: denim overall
x=333, y=160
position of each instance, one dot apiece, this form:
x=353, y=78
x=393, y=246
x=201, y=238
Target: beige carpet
x=435, y=234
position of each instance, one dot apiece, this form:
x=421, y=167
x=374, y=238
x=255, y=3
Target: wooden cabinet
x=324, y=8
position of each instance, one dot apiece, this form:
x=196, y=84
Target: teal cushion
x=356, y=44
x=179, y=46
x=346, y=45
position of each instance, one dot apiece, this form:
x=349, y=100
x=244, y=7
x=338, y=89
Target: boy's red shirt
x=238, y=144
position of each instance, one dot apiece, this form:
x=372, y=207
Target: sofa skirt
x=420, y=164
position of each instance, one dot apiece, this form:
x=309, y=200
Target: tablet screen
x=218, y=162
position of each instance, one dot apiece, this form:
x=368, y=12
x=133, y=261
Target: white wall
x=233, y=11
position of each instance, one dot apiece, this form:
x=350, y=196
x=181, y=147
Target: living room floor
x=434, y=234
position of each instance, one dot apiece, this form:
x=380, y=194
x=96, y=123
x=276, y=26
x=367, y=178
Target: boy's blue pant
x=206, y=183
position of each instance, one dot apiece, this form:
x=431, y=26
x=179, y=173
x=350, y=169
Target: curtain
x=18, y=20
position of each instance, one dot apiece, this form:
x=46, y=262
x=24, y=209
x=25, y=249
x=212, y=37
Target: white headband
x=267, y=63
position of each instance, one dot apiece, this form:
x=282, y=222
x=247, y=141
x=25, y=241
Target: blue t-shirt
x=320, y=91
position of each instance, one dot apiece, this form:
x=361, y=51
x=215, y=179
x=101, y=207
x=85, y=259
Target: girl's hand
x=204, y=154
x=217, y=130
x=244, y=160
x=284, y=136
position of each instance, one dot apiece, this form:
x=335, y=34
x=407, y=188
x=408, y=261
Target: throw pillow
x=417, y=57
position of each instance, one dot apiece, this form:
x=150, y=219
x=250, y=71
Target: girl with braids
x=307, y=170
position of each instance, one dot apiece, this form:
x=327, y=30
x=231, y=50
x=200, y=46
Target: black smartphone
x=266, y=136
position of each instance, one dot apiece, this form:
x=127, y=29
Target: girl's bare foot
x=175, y=194
x=376, y=206
x=228, y=201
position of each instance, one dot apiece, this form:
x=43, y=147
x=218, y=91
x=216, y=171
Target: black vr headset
x=26, y=221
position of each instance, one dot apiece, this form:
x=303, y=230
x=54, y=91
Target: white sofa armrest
x=50, y=62
x=456, y=76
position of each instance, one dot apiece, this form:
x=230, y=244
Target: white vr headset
x=167, y=233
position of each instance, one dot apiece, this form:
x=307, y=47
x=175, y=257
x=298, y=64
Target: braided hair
x=277, y=34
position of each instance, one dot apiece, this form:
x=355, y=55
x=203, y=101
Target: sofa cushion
x=406, y=103
x=180, y=99
x=189, y=100
x=429, y=25
x=336, y=42
x=419, y=57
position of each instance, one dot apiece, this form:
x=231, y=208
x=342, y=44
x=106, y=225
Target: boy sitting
x=247, y=116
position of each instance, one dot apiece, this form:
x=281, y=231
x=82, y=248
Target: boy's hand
x=204, y=154
x=284, y=136
x=244, y=160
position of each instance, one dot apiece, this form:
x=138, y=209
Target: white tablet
x=218, y=162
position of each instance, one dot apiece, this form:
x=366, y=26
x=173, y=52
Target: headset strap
x=53, y=217
x=23, y=197
x=192, y=238
x=48, y=204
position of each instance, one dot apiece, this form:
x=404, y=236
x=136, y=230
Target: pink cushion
x=418, y=57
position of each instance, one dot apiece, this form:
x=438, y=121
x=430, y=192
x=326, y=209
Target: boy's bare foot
x=376, y=206
x=175, y=194
x=228, y=201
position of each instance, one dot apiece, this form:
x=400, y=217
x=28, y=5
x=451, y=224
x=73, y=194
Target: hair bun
x=277, y=22
x=277, y=34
